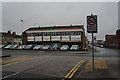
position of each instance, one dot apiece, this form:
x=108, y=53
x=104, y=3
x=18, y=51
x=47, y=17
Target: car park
x=64, y=47
x=74, y=47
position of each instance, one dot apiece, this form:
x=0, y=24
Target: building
x=113, y=41
x=59, y=35
x=10, y=38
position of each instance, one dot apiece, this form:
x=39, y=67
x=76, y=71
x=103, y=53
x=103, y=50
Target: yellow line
x=74, y=69
x=15, y=62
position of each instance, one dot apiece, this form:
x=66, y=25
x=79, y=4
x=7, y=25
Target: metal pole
x=92, y=52
x=22, y=32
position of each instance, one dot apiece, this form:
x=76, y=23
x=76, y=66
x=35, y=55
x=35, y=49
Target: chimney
x=9, y=32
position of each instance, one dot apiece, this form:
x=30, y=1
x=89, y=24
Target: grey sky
x=59, y=13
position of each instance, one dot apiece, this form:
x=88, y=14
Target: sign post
x=92, y=28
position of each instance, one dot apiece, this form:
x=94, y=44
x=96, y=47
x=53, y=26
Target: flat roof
x=56, y=27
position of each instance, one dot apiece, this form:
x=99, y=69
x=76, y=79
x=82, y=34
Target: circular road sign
x=91, y=21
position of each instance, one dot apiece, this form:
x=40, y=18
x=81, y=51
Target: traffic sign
x=92, y=23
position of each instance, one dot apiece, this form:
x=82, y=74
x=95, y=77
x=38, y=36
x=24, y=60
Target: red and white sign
x=92, y=24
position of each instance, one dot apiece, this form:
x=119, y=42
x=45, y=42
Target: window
x=45, y=34
x=29, y=34
x=40, y=34
x=37, y=34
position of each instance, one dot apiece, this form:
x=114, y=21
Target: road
x=50, y=64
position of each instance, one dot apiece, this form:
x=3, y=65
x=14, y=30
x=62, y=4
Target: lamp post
x=22, y=31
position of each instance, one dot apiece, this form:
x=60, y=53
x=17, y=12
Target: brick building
x=59, y=35
x=10, y=38
x=113, y=41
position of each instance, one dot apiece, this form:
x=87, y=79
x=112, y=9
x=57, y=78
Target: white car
x=74, y=47
x=55, y=46
x=101, y=46
x=14, y=47
x=1, y=46
x=37, y=47
x=45, y=47
x=28, y=46
x=64, y=47
x=8, y=46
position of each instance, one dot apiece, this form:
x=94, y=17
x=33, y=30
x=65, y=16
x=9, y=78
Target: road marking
x=11, y=75
x=74, y=69
x=41, y=51
x=16, y=62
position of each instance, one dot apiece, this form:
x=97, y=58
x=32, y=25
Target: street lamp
x=22, y=30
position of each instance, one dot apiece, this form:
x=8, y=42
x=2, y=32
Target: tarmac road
x=45, y=64
x=41, y=67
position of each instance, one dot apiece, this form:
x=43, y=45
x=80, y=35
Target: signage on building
x=92, y=24
x=38, y=38
x=64, y=38
x=46, y=38
x=72, y=41
x=30, y=38
x=55, y=38
x=73, y=38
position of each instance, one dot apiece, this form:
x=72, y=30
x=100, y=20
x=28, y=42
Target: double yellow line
x=74, y=69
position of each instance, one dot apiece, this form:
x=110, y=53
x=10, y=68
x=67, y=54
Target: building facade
x=10, y=38
x=113, y=41
x=59, y=35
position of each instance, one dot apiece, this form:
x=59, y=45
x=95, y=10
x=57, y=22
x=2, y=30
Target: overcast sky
x=59, y=13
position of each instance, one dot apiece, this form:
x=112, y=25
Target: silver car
x=74, y=47
x=64, y=47
x=46, y=47
x=37, y=47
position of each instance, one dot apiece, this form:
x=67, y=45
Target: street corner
x=99, y=64
x=100, y=69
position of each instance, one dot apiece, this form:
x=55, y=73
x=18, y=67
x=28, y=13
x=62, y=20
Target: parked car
x=1, y=46
x=89, y=45
x=29, y=47
x=14, y=47
x=55, y=46
x=101, y=46
x=64, y=47
x=8, y=46
x=46, y=47
x=74, y=47
x=37, y=47
x=21, y=47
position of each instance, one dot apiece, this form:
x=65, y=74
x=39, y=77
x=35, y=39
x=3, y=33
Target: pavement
x=103, y=69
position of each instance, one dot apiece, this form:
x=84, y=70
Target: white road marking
x=41, y=51
x=17, y=62
x=11, y=75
